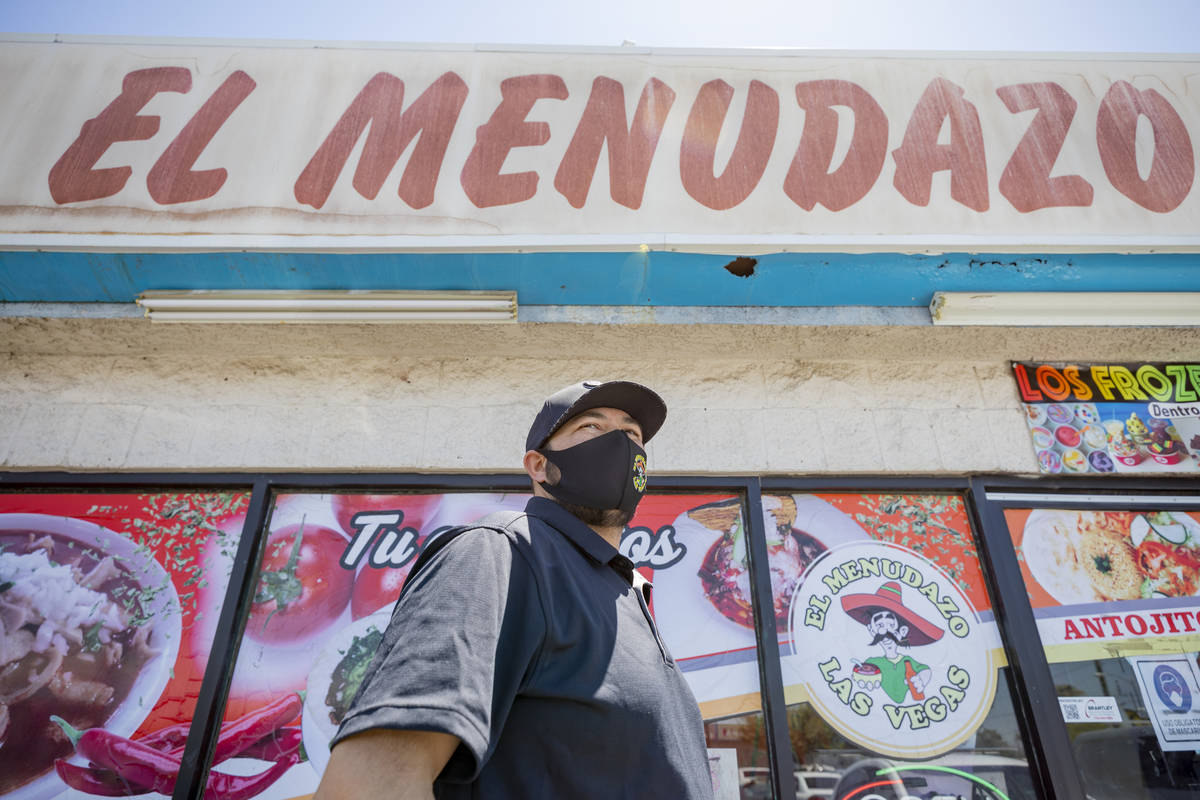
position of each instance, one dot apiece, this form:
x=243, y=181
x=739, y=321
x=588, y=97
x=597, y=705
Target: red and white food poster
x=109, y=605
x=1109, y=582
x=334, y=564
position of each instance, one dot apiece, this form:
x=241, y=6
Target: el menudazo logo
x=890, y=650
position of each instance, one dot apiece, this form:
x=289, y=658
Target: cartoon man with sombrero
x=893, y=626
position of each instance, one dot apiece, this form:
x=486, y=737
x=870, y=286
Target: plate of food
x=91, y=629
x=1090, y=556
x=335, y=678
x=703, y=601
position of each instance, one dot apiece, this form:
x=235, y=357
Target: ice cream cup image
x=1074, y=460
x=1060, y=414
x=1093, y=438
x=1043, y=439
x=1169, y=452
x=1086, y=413
x=1050, y=461
x=1125, y=451
x=1035, y=414
x=1100, y=461
x=1067, y=435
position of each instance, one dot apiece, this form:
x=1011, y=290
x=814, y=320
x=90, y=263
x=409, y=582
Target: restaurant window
x=333, y=565
x=109, y=603
x=1114, y=592
x=894, y=674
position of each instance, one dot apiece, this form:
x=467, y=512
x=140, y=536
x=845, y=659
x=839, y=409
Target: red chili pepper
x=169, y=738
x=274, y=746
x=124, y=766
x=92, y=780
x=280, y=746
x=236, y=736
x=223, y=786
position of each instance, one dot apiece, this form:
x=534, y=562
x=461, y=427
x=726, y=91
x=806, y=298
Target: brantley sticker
x=891, y=652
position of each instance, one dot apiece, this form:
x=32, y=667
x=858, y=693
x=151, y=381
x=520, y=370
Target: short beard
x=600, y=517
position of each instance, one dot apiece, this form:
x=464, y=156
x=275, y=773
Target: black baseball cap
x=634, y=399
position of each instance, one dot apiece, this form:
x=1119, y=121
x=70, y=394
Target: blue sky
x=1148, y=26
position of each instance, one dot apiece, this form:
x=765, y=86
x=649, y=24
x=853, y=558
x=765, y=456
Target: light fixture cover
x=1100, y=309
x=326, y=306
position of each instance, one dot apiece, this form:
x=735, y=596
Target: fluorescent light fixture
x=329, y=306
x=1100, y=309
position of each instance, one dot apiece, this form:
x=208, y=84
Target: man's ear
x=902, y=631
x=535, y=465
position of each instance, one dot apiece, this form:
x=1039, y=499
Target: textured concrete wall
x=125, y=395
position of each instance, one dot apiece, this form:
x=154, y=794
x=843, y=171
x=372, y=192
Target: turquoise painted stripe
x=650, y=279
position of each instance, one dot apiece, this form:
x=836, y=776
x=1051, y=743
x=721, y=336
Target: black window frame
x=1055, y=773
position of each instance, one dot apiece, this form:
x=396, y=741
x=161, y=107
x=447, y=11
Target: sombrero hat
x=887, y=598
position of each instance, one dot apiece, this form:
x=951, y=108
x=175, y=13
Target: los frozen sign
x=1099, y=418
x=891, y=652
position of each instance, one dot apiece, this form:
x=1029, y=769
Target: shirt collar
x=591, y=543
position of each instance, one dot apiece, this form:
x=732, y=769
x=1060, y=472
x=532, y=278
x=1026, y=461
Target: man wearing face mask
x=522, y=662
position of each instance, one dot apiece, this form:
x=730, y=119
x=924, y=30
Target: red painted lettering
x=1157, y=626
x=1071, y=631
x=697, y=152
x=1028, y=393
x=919, y=154
x=171, y=179
x=72, y=178
x=1186, y=618
x=380, y=105
x=507, y=128
x=1173, y=167
x=630, y=149
x=809, y=180
x=1135, y=624
x=1170, y=618
x=1113, y=625
x=1026, y=181
x=1093, y=627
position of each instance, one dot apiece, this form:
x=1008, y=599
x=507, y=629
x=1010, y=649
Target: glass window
x=892, y=664
x=333, y=566
x=108, y=610
x=1114, y=594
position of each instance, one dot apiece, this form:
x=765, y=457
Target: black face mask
x=606, y=472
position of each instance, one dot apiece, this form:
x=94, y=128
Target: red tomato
x=302, y=587
x=417, y=508
x=376, y=588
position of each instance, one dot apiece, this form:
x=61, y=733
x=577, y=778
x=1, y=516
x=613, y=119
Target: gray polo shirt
x=535, y=647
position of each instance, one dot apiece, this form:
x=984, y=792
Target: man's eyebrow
x=592, y=414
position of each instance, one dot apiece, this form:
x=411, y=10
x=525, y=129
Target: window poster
x=1113, y=582
x=333, y=566
x=109, y=605
x=1170, y=686
x=890, y=637
x=1112, y=418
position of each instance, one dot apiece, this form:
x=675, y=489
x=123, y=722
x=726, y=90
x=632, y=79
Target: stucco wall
x=128, y=395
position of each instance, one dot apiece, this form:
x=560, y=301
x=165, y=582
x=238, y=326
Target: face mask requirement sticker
x=890, y=651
